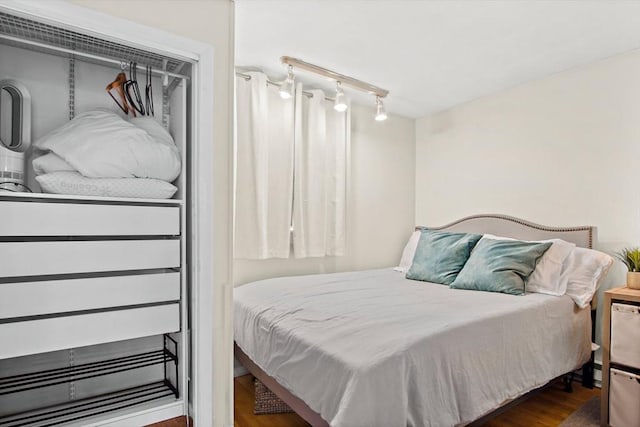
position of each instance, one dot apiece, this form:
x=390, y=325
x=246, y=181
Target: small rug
x=267, y=402
x=588, y=415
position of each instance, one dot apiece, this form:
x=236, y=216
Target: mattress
x=372, y=348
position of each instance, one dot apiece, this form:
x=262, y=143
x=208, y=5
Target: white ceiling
x=433, y=55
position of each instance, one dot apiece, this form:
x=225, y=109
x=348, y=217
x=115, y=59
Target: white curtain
x=319, y=196
x=264, y=169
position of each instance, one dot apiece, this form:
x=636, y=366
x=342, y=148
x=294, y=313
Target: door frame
x=201, y=167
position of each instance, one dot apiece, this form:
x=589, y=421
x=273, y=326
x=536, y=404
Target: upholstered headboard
x=502, y=225
x=515, y=228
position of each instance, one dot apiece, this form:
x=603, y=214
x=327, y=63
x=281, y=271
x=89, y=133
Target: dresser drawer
x=69, y=219
x=69, y=257
x=624, y=395
x=59, y=333
x=59, y=296
x=625, y=334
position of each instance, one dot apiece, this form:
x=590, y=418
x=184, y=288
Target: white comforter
x=101, y=144
x=372, y=348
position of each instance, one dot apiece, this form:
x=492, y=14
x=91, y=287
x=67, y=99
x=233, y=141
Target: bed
x=372, y=348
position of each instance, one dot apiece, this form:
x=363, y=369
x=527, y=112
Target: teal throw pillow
x=441, y=255
x=500, y=266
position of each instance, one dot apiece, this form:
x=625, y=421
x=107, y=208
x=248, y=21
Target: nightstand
x=621, y=358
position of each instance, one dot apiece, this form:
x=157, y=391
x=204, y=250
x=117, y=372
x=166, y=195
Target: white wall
x=208, y=21
x=558, y=151
x=380, y=205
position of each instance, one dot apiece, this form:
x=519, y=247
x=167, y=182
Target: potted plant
x=631, y=258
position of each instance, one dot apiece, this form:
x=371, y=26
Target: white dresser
x=78, y=272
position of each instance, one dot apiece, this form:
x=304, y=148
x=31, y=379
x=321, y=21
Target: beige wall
x=558, y=151
x=208, y=21
x=380, y=208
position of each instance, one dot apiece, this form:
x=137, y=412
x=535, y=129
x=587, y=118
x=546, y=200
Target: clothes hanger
x=148, y=92
x=132, y=91
x=118, y=86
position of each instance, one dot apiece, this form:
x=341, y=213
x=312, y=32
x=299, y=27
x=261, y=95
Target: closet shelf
x=40, y=37
x=88, y=199
x=84, y=408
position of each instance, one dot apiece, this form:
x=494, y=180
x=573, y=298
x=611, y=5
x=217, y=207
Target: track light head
x=381, y=113
x=340, y=103
x=286, y=88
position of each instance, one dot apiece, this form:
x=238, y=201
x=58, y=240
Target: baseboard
x=239, y=371
x=148, y=414
x=597, y=373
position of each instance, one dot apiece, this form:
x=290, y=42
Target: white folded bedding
x=50, y=163
x=372, y=348
x=101, y=144
x=76, y=184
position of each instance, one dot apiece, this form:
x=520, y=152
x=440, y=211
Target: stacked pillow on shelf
x=500, y=264
x=99, y=153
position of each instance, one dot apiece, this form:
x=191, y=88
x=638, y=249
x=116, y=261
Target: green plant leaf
x=630, y=257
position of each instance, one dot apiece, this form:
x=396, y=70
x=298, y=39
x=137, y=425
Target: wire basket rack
x=22, y=32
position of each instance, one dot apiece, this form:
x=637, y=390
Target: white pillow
x=76, y=184
x=545, y=279
x=101, y=144
x=408, y=252
x=51, y=163
x=155, y=129
x=582, y=273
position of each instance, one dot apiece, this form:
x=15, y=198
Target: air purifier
x=15, y=131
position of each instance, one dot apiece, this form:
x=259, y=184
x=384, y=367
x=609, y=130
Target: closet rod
x=87, y=55
x=269, y=82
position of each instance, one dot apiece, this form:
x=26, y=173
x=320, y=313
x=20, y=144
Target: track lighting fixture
x=340, y=103
x=381, y=113
x=286, y=88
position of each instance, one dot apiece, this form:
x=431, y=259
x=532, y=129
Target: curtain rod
x=269, y=82
x=343, y=79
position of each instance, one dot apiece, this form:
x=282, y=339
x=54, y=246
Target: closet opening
x=95, y=201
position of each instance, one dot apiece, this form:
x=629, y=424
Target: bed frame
x=500, y=225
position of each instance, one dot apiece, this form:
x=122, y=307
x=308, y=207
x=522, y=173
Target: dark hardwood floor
x=546, y=409
x=243, y=405
x=173, y=422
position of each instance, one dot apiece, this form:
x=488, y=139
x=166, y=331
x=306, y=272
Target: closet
x=95, y=291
